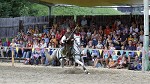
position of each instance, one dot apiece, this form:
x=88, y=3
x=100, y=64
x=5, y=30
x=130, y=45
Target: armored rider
x=68, y=41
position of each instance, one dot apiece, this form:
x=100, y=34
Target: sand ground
x=31, y=74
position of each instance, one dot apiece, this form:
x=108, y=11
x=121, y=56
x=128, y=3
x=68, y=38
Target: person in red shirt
x=107, y=30
x=63, y=31
x=58, y=36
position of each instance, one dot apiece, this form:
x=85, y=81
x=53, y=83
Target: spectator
x=58, y=36
x=107, y=30
x=6, y=43
x=122, y=62
x=83, y=22
x=141, y=37
x=113, y=61
x=99, y=45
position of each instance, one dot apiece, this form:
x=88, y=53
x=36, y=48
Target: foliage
x=84, y=11
x=16, y=8
x=65, y=10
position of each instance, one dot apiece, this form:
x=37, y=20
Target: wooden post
x=12, y=57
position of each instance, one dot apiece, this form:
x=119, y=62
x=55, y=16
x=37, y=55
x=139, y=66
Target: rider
x=68, y=40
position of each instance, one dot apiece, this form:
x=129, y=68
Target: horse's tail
x=50, y=57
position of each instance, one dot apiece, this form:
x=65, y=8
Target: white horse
x=76, y=54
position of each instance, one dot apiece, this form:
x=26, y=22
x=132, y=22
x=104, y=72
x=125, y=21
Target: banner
x=138, y=53
x=100, y=52
x=17, y=49
x=111, y=51
x=90, y=50
x=127, y=53
x=121, y=52
x=32, y=50
x=116, y=51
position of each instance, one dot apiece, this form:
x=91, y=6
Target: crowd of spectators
x=115, y=36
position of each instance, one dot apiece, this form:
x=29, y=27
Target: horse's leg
x=79, y=62
x=62, y=61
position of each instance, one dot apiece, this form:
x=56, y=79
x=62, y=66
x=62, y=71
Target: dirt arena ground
x=31, y=74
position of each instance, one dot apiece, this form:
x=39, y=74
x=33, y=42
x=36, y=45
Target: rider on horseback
x=68, y=40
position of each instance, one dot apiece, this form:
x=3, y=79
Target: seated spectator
x=82, y=32
x=100, y=31
x=54, y=40
x=116, y=43
x=135, y=40
x=111, y=47
x=99, y=45
x=113, y=60
x=98, y=59
x=130, y=38
x=6, y=43
x=58, y=36
x=83, y=54
x=141, y=37
x=123, y=38
x=106, y=55
x=88, y=34
x=130, y=47
x=46, y=39
x=122, y=62
x=89, y=45
x=83, y=41
x=28, y=50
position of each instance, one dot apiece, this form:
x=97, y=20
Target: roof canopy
x=90, y=3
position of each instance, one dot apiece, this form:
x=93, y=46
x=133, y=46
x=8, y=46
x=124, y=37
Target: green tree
x=16, y=8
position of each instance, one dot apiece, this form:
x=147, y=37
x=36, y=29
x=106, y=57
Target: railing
x=99, y=50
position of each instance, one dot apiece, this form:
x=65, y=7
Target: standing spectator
x=107, y=30
x=83, y=22
x=83, y=41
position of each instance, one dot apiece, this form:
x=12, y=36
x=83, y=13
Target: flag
x=17, y=49
x=138, y=53
x=100, y=52
x=121, y=52
x=32, y=50
x=127, y=53
x=116, y=51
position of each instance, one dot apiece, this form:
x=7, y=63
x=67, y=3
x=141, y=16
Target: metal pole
x=49, y=15
x=145, y=60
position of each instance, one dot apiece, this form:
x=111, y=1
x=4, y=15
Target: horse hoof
x=86, y=72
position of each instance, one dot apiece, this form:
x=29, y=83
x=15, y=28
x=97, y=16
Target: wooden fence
x=10, y=26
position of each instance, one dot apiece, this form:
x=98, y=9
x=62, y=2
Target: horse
x=57, y=53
